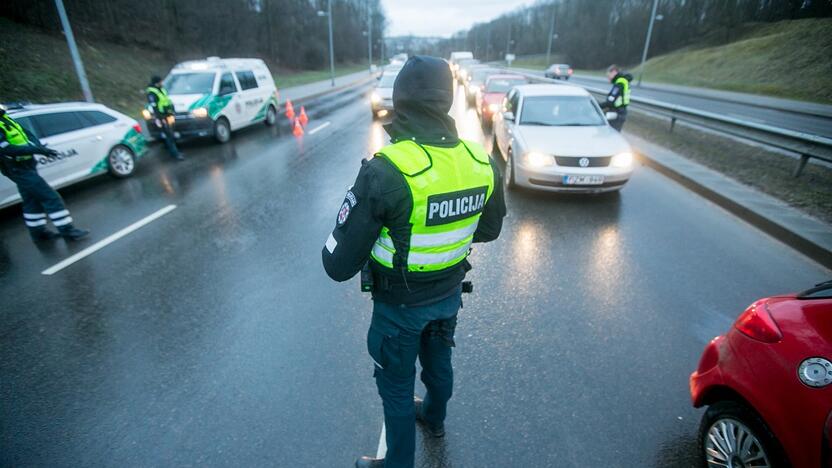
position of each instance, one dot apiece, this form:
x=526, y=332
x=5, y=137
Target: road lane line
x=319, y=128
x=382, y=443
x=108, y=240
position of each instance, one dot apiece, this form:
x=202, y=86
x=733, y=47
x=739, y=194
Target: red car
x=492, y=92
x=768, y=385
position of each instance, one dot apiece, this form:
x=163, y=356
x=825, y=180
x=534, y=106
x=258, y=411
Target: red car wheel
x=731, y=434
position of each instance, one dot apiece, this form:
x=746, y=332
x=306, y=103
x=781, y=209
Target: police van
x=216, y=96
x=90, y=139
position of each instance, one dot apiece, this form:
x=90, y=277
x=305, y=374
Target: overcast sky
x=442, y=17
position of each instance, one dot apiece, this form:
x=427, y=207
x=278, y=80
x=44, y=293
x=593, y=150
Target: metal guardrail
x=806, y=145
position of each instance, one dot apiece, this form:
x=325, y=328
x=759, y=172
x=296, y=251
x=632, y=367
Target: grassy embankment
x=117, y=74
x=788, y=59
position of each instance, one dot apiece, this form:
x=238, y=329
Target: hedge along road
x=212, y=336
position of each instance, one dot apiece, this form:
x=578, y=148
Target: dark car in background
x=558, y=71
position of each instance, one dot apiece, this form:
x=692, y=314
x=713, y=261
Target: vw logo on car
x=583, y=162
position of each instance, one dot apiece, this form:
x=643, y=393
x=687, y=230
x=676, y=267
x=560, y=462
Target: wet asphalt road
x=213, y=337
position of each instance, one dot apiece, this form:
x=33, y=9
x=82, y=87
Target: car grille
x=575, y=161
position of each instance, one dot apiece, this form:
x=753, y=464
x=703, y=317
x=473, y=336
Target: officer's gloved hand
x=48, y=151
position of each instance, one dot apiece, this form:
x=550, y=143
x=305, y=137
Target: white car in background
x=90, y=139
x=381, y=99
x=556, y=138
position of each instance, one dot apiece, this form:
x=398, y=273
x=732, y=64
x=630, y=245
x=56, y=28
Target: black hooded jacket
x=422, y=98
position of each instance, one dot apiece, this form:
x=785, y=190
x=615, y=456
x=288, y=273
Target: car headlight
x=375, y=98
x=146, y=114
x=493, y=107
x=622, y=160
x=535, y=159
x=200, y=112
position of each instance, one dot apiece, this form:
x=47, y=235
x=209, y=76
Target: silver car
x=381, y=100
x=556, y=138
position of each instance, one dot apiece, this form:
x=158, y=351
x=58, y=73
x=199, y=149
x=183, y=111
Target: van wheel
x=271, y=116
x=121, y=162
x=731, y=434
x=222, y=131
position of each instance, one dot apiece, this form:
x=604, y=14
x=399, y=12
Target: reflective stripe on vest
x=623, y=99
x=449, y=188
x=162, y=99
x=14, y=133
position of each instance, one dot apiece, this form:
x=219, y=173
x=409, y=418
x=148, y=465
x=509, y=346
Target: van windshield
x=190, y=83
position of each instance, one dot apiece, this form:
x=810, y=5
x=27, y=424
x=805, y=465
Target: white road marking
x=319, y=128
x=382, y=443
x=107, y=241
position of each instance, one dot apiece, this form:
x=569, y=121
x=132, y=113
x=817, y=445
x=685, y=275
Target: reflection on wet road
x=213, y=337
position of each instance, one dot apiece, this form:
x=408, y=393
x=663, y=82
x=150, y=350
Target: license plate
x=583, y=180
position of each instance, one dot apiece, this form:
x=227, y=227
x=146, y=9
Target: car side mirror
x=508, y=116
x=611, y=115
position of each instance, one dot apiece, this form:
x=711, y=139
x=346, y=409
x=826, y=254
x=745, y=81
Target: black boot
x=42, y=234
x=433, y=430
x=70, y=232
x=369, y=462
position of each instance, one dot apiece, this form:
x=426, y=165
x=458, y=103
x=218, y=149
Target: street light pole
x=551, y=36
x=73, y=51
x=647, y=41
x=370, y=36
x=331, y=51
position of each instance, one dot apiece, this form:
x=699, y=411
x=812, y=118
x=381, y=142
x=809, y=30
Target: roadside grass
x=43, y=70
x=764, y=170
x=289, y=78
x=788, y=59
x=118, y=75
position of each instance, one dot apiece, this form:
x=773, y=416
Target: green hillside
x=43, y=70
x=789, y=59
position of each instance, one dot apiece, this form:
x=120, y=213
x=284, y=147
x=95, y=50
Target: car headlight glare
x=375, y=98
x=493, y=107
x=535, y=159
x=146, y=114
x=200, y=112
x=622, y=160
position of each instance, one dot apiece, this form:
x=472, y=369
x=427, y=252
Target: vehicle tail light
x=570, y=71
x=756, y=322
x=137, y=127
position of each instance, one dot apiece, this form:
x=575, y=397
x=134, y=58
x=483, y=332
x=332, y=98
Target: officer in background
x=619, y=96
x=18, y=163
x=163, y=112
x=414, y=211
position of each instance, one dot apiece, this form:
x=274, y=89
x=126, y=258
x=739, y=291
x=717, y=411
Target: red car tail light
x=137, y=128
x=756, y=322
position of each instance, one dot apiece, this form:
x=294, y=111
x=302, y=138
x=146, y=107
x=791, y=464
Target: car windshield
x=387, y=80
x=560, y=111
x=502, y=85
x=190, y=83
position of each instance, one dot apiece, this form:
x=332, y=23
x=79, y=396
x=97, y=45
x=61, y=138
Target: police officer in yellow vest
x=414, y=211
x=619, y=96
x=163, y=113
x=41, y=203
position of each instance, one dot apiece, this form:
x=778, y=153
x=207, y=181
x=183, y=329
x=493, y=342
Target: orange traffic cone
x=290, y=110
x=303, y=118
x=298, y=130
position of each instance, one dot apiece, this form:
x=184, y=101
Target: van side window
x=57, y=123
x=246, y=79
x=227, y=85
